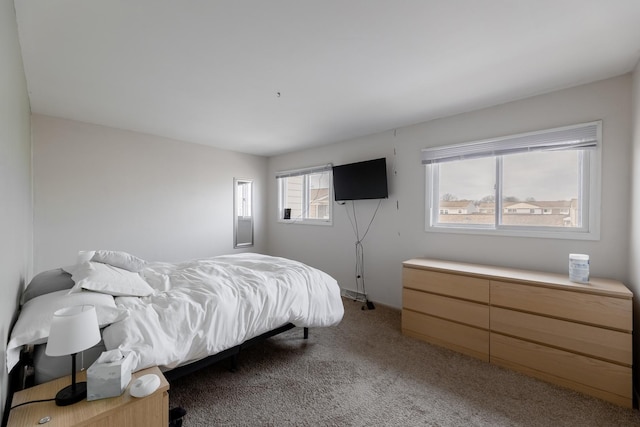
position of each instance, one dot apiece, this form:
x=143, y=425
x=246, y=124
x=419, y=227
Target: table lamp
x=73, y=329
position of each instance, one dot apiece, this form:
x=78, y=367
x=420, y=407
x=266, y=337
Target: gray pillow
x=46, y=282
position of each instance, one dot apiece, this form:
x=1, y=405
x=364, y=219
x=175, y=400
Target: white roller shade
x=305, y=171
x=586, y=135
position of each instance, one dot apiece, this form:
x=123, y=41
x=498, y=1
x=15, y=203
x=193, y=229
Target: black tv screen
x=362, y=180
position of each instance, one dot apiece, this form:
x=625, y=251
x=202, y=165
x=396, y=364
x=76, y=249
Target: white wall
x=102, y=188
x=634, y=247
x=398, y=232
x=15, y=181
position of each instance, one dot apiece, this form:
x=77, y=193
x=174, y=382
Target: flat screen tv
x=361, y=180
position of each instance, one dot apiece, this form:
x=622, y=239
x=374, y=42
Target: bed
x=178, y=316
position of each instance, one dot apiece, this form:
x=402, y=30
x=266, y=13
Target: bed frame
x=230, y=353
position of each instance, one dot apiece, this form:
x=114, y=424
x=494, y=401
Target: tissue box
x=108, y=379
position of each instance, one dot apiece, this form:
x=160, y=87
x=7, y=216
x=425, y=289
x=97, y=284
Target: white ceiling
x=273, y=76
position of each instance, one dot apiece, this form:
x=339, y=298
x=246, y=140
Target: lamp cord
x=32, y=401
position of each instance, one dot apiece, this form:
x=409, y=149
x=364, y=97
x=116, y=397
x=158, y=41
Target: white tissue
x=110, y=356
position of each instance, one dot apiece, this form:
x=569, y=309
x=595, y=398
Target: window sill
x=305, y=222
x=542, y=234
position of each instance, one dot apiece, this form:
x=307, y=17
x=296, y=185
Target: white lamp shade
x=73, y=329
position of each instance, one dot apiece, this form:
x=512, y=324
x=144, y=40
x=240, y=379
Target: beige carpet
x=364, y=372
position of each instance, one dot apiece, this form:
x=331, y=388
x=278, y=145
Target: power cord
x=359, y=273
x=32, y=401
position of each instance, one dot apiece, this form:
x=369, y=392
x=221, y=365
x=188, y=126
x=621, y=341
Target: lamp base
x=70, y=394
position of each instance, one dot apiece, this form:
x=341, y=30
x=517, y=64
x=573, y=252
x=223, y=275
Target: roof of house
x=455, y=203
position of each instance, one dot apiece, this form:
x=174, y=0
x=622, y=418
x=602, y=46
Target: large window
x=305, y=195
x=542, y=184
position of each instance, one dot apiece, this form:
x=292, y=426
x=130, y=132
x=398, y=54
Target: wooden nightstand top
x=81, y=413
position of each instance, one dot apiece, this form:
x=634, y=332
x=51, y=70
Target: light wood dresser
x=575, y=335
x=121, y=411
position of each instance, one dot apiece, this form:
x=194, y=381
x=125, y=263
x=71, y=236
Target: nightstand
x=122, y=411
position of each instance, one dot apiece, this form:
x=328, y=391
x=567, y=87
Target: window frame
x=305, y=172
x=589, y=195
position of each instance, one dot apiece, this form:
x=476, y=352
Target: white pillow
x=34, y=320
x=107, y=279
x=83, y=256
x=119, y=259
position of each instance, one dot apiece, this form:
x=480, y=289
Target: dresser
x=572, y=334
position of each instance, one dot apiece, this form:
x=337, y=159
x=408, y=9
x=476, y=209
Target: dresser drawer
x=607, y=344
x=462, y=311
x=602, y=379
x=594, y=309
x=455, y=336
x=470, y=288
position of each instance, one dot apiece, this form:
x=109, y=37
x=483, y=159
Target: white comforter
x=205, y=306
